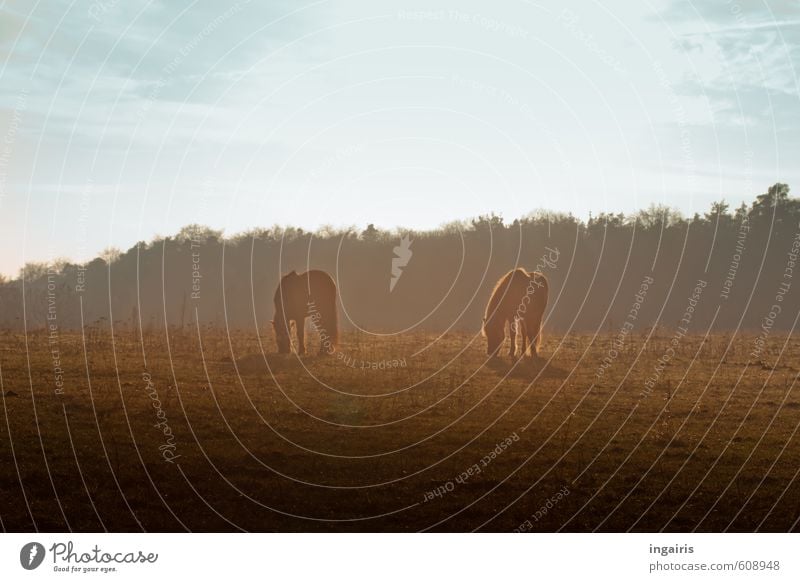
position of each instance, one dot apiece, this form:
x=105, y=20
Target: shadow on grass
x=526, y=368
x=263, y=363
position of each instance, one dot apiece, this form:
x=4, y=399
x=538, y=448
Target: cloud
x=755, y=46
x=758, y=43
x=113, y=74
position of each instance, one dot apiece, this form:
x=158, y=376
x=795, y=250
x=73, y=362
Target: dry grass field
x=198, y=431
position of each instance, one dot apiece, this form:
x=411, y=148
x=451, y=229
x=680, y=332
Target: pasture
x=199, y=431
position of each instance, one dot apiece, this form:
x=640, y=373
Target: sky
x=125, y=120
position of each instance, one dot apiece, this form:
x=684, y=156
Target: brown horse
x=311, y=294
x=519, y=299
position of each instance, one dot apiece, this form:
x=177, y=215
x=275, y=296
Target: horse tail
x=333, y=318
x=328, y=311
x=543, y=297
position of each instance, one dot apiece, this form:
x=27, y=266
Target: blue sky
x=120, y=121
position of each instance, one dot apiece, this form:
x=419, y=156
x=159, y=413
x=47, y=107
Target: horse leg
x=537, y=328
x=512, y=333
x=325, y=346
x=523, y=330
x=301, y=336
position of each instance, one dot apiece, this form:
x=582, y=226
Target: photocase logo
x=31, y=555
x=402, y=256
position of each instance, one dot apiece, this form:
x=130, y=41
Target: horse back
x=296, y=292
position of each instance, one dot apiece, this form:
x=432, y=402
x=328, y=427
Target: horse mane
x=284, y=279
x=499, y=290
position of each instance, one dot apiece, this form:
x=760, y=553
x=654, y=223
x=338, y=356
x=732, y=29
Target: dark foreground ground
x=202, y=433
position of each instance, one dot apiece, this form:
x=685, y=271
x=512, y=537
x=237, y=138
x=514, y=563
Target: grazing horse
x=311, y=294
x=519, y=298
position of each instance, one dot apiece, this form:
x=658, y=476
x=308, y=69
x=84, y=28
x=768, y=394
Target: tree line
x=745, y=257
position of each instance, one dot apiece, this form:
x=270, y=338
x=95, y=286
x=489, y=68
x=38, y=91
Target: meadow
x=203, y=429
